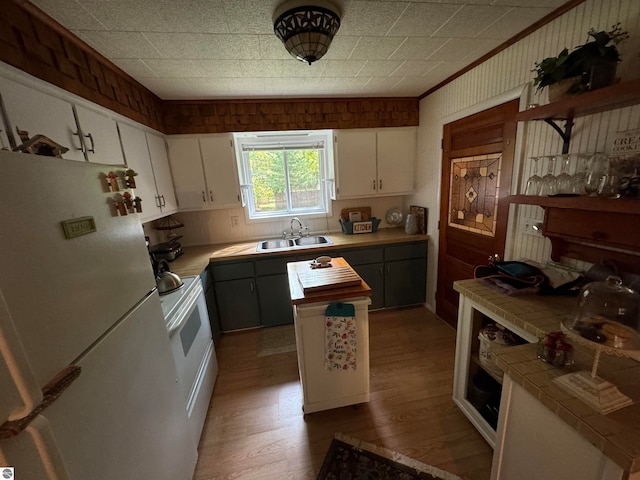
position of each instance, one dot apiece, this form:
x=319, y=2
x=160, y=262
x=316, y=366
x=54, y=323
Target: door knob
x=494, y=258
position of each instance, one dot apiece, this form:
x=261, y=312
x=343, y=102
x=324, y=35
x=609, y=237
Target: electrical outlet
x=235, y=221
x=530, y=226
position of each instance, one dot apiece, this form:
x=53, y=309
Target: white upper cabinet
x=153, y=182
x=162, y=173
x=204, y=171
x=375, y=162
x=100, y=134
x=41, y=114
x=220, y=170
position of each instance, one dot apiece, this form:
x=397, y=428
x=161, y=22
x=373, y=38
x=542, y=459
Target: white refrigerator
x=88, y=300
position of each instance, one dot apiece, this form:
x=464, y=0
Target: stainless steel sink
x=301, y=242
x=308, y=241
x=273, y=244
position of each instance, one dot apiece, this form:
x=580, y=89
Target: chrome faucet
x=296, y=219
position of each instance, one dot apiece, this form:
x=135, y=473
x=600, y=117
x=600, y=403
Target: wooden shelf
x=618, y=205
x=608, y=98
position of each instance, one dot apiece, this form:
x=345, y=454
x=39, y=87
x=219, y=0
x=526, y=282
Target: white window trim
x=326, y=169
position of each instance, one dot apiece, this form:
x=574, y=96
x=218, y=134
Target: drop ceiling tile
x=423, y=19
x=261, y=68
x=206, y=46
x=134, y=67
x=70, y=14
x=415, y=68
x=417, y=48
x=375, y=85
x=296, y=69
x=470, y=20
x=376, y=48
x=170, y=67
x=513, y=22
x=193, y=16
x=216, y=68
x=119, y=44
x=167, y=88
x=341, y=68
x=379, y=68
x=460, y=48
x=341, y=47
x=527, y=3
x=250, y=16
x=370, y=18
x=125, y=16
x=410, y=87
x=206, y=88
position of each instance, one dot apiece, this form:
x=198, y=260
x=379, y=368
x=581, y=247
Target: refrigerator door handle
x=51, y=392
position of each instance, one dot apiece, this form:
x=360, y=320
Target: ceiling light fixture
x=306, y=30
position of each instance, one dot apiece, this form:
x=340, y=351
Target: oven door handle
x=191, y=301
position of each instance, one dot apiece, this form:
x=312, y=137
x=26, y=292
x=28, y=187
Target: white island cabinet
x=324, y=388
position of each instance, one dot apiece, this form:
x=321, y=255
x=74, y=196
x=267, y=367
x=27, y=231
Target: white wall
x=511, y=69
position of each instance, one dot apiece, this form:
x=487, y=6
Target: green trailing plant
x=579, y=63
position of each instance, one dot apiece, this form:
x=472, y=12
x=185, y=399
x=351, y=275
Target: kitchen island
x=332, y=347
x=573, y=440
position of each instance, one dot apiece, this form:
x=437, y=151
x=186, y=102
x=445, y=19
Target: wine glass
x=579, y=179
x=535, y=181
x=598, y=166
x=563, y=181
x=549, y=185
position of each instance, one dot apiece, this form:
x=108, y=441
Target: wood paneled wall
x=296, y=114
x=38, y=45
x=509, y=70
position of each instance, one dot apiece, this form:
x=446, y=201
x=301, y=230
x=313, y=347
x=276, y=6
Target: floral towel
x=340, y=337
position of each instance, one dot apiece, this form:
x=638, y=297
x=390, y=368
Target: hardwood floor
x=256, y=429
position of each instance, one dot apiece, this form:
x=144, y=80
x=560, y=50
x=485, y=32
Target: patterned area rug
x=351, y=459
x=275, y=340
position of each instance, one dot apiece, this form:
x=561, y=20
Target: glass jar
x=411, y=224
x=598, y=166
x=608, y=313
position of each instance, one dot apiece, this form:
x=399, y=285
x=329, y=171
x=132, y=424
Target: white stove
x=170, y=301
x=185, y=314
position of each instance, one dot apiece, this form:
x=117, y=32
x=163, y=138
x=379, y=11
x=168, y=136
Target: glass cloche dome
x=608, y=313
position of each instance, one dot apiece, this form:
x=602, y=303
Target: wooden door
x=476, y=178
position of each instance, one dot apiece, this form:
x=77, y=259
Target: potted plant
x=588, y=67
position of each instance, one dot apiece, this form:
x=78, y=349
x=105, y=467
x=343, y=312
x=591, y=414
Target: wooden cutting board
x=366, y=213
x=328, y=278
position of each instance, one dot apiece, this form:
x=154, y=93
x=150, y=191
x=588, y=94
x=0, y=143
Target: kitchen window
x=285, y=173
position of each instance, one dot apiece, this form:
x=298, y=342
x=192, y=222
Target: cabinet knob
x=494, y=258
x=380, y=184
x=211, y=195
x=374, y=183
x=162, y=202
x=204, y=196
x=81, y=148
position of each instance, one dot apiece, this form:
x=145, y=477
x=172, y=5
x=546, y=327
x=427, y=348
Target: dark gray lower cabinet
x=252, y=293
x=274, y=300
x=405, y=283
x=237, y=304
x=373, y=274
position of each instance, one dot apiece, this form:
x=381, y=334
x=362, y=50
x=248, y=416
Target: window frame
x=244, y=142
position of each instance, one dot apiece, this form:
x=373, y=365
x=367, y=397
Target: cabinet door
x=162, y=173
x=100, y=137
x=355, y=154
x=220, y=170
x=405, y=282
x=373, y=274
x=237, y=304
x=41, y=114
x=136, y=153
x=187, y=172
x=275, y=302
x=396, y=160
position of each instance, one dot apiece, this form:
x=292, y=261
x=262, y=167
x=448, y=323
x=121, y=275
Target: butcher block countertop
x=323, y=291
x=195, y=259
x=616, y=434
